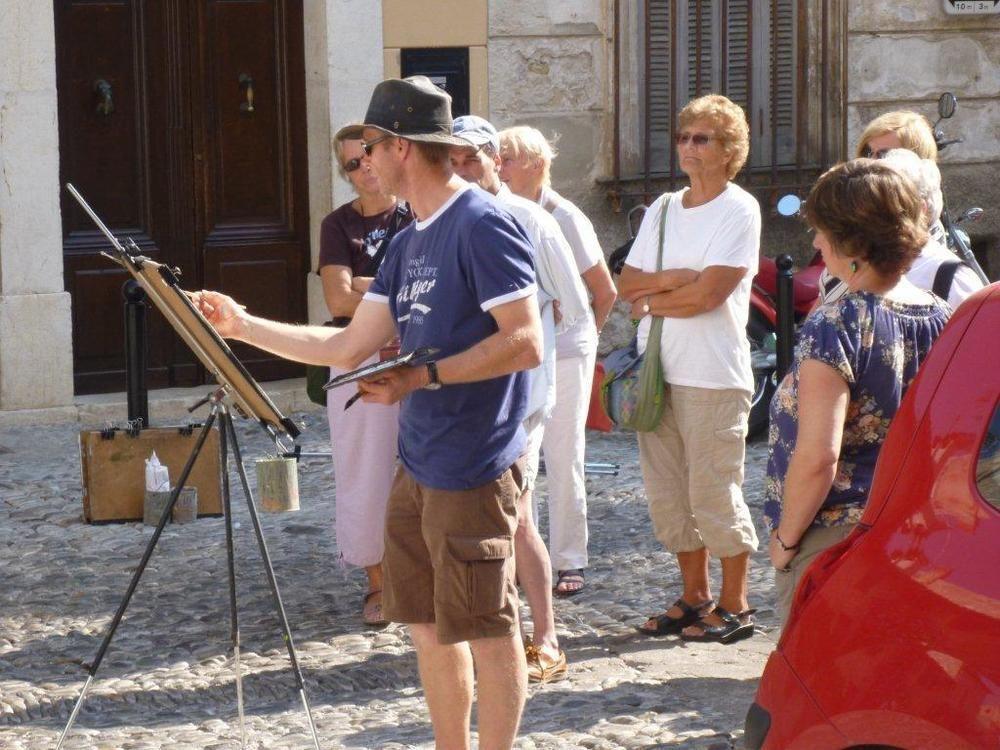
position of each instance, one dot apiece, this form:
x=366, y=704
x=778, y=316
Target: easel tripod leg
x=227, y=422
x=234, y=622
x=116, y=620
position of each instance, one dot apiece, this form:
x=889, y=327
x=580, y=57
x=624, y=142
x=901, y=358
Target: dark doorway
x=447, y=67
x=183, y=123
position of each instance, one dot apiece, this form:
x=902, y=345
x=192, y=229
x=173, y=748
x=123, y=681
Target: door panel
x=253, y=217
x=176, y=164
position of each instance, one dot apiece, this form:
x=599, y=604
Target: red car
x=894, y=634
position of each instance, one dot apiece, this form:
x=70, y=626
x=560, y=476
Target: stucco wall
x=903, y=55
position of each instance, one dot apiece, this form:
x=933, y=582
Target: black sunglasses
x=698, y=139
x=352, y=164
x=369, y=146
x=869, y=154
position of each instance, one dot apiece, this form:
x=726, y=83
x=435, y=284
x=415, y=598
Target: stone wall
x=903, y=55
x=36, y=351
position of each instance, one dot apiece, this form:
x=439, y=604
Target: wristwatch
x=432, y=372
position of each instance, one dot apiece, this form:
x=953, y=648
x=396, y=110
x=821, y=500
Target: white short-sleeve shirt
x=709, y=350
x=580, y=339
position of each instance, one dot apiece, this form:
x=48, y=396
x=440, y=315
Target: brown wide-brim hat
x=412, y=108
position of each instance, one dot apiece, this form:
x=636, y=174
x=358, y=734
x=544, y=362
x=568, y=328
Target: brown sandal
x=371, y=612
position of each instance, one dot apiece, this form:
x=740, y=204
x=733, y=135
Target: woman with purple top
x=353, y=241
x=854, y=360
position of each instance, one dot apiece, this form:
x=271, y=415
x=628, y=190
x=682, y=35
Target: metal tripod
x=227, y=433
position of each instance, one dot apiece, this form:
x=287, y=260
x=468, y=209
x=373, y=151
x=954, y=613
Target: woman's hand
x=224, y=313
x=640, y=308
x=780, y=557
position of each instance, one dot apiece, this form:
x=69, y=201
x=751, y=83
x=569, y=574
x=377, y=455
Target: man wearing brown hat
x=460, y=279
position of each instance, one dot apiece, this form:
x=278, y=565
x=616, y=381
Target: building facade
x=225, y=168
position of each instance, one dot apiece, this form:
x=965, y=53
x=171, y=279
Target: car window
x=988, y=467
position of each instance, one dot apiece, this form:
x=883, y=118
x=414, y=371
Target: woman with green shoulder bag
x=695, y=282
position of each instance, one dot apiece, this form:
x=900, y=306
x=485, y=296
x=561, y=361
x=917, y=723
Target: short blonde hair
x=914, y=132
x=350, y=132
x=522, y=139
x=729, y=122
x=924, y=173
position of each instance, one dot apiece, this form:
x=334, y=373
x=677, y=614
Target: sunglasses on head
x=698, y=139
x=352, y=164
x=869, y=154
x=369, y=146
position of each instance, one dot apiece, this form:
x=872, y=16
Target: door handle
x=246, y=84
x=103, y=90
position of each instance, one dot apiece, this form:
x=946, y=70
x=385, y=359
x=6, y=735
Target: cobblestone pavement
x=167, y=680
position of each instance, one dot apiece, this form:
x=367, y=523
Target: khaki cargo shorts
x=449, y=557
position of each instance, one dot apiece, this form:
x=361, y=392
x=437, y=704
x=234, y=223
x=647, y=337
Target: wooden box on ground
x=114, y=469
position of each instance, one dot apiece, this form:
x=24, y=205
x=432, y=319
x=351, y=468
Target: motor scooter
x=762, y=324
x=958, y=239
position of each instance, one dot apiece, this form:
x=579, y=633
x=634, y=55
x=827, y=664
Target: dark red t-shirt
x=346, y=238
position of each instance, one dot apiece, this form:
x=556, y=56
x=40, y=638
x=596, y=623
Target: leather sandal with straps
x=734, y=627
x=540, y=669
x=371, y=612
x=667, y=625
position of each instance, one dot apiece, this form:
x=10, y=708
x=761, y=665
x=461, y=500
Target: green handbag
x=316, y=377
x=633, y=393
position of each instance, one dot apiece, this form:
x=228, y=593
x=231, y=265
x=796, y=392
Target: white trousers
x=363, y=439
x=563, y=446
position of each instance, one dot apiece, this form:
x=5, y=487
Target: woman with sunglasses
x=692, y=463
x=892, y=130
x=353, y=242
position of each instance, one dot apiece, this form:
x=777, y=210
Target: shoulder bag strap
x=943, y=278
x=656, y=326
x=376, y=260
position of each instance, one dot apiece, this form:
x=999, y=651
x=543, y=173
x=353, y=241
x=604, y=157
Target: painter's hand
x=227, y=316
x=392, y=385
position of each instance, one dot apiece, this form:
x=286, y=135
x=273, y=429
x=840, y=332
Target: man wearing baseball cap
x=460, y=279
x=478, y=161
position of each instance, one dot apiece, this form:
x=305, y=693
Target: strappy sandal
x=732, y=629
x=543, y=673
x=568, y=576
x=371, y=614
x=667, y=625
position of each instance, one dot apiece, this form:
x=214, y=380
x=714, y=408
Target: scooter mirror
x=789, y=205
x=947, y=104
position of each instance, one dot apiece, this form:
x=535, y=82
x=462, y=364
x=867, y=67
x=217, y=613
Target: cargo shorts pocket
x=730, y=448
x=480, y=580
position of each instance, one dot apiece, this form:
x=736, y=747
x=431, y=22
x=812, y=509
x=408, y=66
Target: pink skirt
x=363, y=440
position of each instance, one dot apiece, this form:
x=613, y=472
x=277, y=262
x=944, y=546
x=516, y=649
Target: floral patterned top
x=876, y=345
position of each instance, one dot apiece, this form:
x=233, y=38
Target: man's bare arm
x=517, y=345
x=602, y=291
x=371, y=327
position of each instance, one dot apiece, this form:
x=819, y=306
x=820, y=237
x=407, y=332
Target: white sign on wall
x=971, y=7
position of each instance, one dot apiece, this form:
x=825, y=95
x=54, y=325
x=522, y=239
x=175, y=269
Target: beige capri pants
x=692, y=466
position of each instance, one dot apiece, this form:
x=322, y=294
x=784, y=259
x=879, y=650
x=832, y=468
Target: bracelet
x=787, y=547
x=645, y=306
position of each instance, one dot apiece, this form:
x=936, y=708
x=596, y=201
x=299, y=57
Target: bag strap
x=656, y=326
x=663, y=226
x=376, y=259
x=944, y=276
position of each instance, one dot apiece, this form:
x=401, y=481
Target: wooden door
x=153, y=134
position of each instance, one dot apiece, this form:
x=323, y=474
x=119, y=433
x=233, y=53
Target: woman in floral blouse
x=854, y=361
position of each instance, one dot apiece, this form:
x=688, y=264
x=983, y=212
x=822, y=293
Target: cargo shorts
x=449, y=557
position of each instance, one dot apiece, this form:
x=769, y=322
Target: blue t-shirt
x=441, y=277
x=876, y=345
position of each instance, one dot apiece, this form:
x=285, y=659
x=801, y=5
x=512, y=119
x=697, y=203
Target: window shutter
x=660, y=70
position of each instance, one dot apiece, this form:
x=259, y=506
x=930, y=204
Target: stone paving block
x=168, y=678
